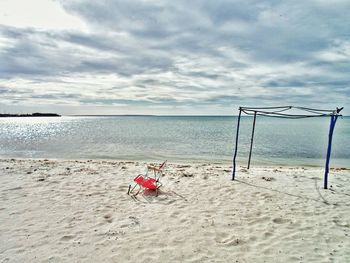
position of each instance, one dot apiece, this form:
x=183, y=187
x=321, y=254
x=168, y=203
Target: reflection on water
x=276, y=141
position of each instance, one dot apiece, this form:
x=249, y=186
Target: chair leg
x=130, y=191
x=137, y=192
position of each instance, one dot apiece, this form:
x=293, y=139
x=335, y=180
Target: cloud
x=40, y=14
x=158, y=55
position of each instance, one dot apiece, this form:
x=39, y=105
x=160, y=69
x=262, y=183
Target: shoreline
x=179, y=162
x=75, y=210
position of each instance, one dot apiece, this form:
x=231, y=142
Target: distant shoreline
x=37, y=114
x=117, y=115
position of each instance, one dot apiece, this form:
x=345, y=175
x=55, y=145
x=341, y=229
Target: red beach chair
x=147, y=181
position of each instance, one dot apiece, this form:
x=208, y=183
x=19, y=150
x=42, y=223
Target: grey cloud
x=89, y=101
x=58, y=96
x=222, y=52
x=4, y=91
x=40, y=53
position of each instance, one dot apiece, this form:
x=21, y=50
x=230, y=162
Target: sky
x=172, y=57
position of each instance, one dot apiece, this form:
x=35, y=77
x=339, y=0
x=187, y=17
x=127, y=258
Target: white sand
x=75, y=211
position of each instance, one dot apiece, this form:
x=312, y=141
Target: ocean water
x=177, y=139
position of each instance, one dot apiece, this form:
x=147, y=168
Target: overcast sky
x=172, y=57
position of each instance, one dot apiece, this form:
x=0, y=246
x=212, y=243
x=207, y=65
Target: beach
x=94, y=93
x=79, y=211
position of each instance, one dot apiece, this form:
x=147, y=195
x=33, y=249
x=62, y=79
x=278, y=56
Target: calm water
x=277, y=141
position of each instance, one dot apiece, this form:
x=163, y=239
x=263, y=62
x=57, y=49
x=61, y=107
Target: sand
x=78, y=211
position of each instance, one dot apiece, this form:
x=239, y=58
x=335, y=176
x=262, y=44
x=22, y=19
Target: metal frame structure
x=281, y=112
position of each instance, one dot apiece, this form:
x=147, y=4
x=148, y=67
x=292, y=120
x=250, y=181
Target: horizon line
x=156, y=115
x=145, y=115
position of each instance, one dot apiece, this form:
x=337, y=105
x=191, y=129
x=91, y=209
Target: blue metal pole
x=251, y=141
x=329, y=149
x=236, y=146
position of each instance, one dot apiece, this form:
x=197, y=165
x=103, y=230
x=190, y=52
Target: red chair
x=148, y=182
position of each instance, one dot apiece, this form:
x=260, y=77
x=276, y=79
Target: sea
x=176, y=139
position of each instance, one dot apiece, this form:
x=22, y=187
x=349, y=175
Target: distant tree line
x=36, y=114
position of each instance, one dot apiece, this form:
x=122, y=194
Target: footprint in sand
x=175, y=214
x=67, y=238
x=268, y=234
x=131, y=222
x=135, y=220
x=341, y=223
x=122, y=188
x=228, y=240
x=108, y=218
x=267, y=197
x=268, y=179
x=280, y=220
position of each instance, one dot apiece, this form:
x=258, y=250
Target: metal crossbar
x=278, y=112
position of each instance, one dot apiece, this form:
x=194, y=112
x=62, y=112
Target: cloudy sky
x=172, y=57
